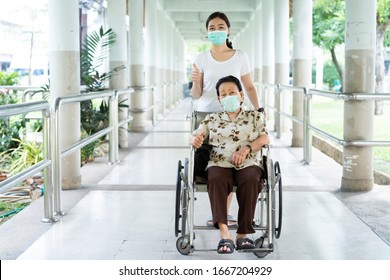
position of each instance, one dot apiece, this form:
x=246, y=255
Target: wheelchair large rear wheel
x=277, y=200
x=182, y=196
x=177, y=201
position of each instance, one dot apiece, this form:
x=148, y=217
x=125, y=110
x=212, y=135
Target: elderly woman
x=235, y=136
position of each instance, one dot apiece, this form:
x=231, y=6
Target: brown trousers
x=220, y=184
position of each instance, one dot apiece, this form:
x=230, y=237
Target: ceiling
x=190, y=17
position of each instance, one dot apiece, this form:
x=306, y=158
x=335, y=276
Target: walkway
x=126, y=211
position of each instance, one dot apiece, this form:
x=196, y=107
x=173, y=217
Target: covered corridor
x=125, y=211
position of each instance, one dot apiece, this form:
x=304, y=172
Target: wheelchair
x=268, y=215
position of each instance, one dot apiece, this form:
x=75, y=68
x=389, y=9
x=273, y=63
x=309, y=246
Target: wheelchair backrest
x=197, y=118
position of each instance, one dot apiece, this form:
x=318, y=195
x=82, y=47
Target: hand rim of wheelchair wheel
x=177, y=205
x=278, y=174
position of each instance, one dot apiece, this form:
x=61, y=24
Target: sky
x=18, y=11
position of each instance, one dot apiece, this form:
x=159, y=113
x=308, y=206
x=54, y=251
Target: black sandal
x=225, y=243
x=240, y=243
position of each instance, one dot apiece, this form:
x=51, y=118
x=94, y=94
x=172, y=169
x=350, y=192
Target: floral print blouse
x=226, y=136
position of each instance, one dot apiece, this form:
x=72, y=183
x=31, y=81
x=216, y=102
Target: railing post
x=154, y=110
x=56, y=156
x=307, y=141
x=48, y=212
x=113, y=122
x=277, y=111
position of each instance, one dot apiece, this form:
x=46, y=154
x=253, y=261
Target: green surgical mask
x=230, y=103
x=217, y=37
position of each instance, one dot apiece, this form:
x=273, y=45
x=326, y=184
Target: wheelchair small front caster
x=183, y=245
x=259, y=244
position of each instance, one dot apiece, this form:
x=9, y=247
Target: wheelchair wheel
x=277, y=200
x=182, y=196
x=178, y=195
x=259, y=243
x=183, y=245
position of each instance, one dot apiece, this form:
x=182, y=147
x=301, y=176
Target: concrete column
x=257, y=76
x=179, y=67
x=65, y=81
x=360, y=39
x=182, y=67
x=166, y=66
x=116, y=11
x=170, y=63
x=302, y=61
x=151, y=41
x=159, y=102
x=174, y=62
x=140, y=99
x=282, y=57
x=246, y=40
x=268, y=49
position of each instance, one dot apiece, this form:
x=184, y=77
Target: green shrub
x=9, y=79
x=9, y=127
x=330, y=74
x=26, y=154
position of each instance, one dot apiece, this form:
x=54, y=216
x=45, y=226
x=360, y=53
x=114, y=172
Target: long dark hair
x=225, y=19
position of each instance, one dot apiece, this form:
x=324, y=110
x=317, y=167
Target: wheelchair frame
x=268, y=217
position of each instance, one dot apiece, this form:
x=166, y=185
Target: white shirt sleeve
x=245, y=68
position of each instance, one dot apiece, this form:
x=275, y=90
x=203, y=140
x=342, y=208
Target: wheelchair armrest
x=265, y=150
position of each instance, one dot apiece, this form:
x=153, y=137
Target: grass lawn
x=327, y=115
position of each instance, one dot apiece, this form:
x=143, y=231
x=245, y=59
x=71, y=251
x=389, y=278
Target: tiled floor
x=128, y=224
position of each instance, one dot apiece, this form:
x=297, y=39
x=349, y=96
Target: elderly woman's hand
x=239, y=157
x=197, y=140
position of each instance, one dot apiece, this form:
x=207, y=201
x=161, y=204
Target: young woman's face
x=217, y=24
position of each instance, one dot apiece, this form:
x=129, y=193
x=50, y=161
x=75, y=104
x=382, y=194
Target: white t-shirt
x=213, y=70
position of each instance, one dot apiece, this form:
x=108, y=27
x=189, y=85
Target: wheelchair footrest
x=265, y=250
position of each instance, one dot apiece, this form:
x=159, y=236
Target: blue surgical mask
x=217, y=37
x=230, y=103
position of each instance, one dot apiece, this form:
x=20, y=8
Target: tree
x=328, y=28
x=382, y=28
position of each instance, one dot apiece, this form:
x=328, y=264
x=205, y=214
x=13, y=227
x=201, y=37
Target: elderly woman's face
x=229, y=89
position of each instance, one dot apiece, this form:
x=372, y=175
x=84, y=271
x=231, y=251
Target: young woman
x=220, y=61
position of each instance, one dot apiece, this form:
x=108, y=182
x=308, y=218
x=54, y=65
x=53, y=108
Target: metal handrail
x=52, y=153
x=112, y=130
x=45, y=164
x=306, y=121
x=21, y=88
